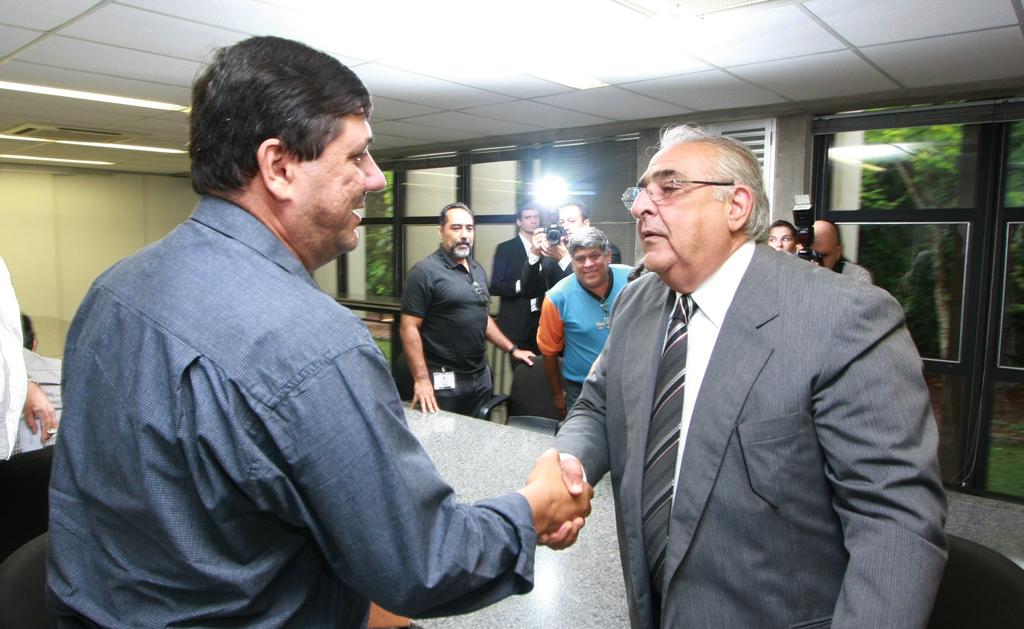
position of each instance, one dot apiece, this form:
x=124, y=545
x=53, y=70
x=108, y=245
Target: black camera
x=555, y=234
x=803, y=220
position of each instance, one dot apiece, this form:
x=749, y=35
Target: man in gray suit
x=758, y=490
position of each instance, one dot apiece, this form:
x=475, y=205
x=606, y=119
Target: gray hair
x=735, y=163
x=588, y=238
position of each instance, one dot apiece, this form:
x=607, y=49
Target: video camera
x=555, y=234
x=803, y=220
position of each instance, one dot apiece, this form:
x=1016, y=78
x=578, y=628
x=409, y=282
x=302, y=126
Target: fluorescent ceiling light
x=102, y=145
x=57, y=159
x=103, y=98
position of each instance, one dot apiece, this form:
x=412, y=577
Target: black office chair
x=402, y=376
x=23, y=588
x=980, y=589
x=529, y=403
x=24, y=484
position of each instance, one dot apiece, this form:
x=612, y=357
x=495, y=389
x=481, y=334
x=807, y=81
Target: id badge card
x=444, y=380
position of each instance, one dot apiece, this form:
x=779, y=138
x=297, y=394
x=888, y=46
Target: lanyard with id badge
x=444, y=380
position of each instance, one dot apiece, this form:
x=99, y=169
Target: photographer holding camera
x=548, y=260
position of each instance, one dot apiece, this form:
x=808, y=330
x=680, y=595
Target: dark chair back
x=980, y=589
x=530, y=394
x=402, y=377
x=25, y=486
x=23, y=588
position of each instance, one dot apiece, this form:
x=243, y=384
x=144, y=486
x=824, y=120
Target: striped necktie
x=663, y=441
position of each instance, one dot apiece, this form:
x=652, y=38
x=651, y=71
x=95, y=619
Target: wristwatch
x=512, y=350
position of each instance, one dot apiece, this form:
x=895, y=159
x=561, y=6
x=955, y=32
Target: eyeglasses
x=661, y=189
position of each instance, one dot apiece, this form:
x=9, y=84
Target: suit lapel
x=644, y=346
x=739, y=355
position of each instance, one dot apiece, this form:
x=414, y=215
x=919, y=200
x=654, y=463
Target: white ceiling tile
x=151, y=32
x=42, y=15
x=90, y=82
x=101, y=59
x=613, y=102
x=475, y=126
x=423, y=90
x=909, y=19
x=705, y=91
x=529, y=112
x=389, y=109
x=618, y=65
x=38, y=108
x=964, y=58
x=12, y=38
x=827, y=75
x=430, y=133
x=476, y=70
x=727, y=39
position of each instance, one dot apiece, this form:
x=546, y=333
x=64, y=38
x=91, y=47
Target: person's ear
x=741, y=206
x=278, y=169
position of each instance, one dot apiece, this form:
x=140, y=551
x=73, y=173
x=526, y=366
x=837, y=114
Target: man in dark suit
x=550, y=262
x=751, y=489
x=519, y=314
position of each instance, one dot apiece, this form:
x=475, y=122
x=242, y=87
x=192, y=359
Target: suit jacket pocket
x=771, y=450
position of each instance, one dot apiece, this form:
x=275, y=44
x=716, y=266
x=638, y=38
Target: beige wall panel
x=100, y=220
x=27, y=244
x=167, y=202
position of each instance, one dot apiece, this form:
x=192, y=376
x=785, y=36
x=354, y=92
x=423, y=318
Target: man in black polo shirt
x=445, y=322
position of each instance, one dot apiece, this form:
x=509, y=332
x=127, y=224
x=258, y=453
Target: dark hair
x=28, y=333
x=528, y=206
x=783, y=223
x=584, y=210
x=266, y=87
x=451, y=206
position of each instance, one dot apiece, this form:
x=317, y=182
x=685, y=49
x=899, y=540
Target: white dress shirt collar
x=714, y=296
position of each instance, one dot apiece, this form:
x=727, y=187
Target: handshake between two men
x=559, y=499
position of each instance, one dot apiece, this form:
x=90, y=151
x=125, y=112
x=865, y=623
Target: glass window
x=1011, y=338
x=382, y=204
x=948, y=406
x=370, y=267
x=494, y=187
x=427, y=190
x=922, y=265
x=1014, y=195
x=420, y=242
x=904, y=168
x=1006, y=447
x=381, y=326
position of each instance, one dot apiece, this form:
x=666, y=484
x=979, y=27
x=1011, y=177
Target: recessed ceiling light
x=57, y=159
x=102, y=145
x=103, y=98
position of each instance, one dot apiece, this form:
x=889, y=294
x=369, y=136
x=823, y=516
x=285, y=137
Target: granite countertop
x=581, y=586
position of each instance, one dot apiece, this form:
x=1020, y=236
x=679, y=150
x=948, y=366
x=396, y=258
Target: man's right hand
x=423, y=392
x=539, y=242
x=558, y=514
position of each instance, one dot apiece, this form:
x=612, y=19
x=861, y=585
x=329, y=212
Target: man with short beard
x=445, y=322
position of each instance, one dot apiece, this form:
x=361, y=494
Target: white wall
x=59, y=231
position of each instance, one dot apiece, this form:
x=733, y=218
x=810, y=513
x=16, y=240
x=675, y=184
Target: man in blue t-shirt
x=574, y=316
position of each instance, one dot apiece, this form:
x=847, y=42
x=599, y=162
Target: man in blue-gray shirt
x=233, y=450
